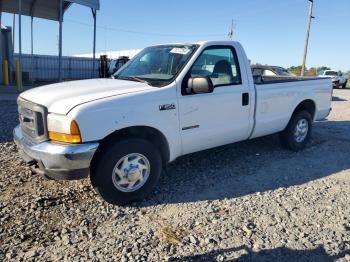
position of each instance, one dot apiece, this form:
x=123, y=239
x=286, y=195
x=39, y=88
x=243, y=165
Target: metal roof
x=47, y=9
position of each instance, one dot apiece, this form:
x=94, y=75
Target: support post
x=306, y=45
x=32, y=71
x=6, y=72
x=1, y=47
x=31, y=36
x=94, y=14
x=32, y=48
x=12, y=63
x=60, y=42
x=20, y=43
x=14, y=32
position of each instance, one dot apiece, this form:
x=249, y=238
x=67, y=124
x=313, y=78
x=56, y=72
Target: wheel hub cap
x=134, y=175
x=301, y=130
x=131, y=172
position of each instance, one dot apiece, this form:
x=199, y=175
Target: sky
x=271, y=31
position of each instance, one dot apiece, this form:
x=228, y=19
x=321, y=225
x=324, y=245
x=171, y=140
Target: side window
x=268, y=73
x=220, y=64
x=257, y=72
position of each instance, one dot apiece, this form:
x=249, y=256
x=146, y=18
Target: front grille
x=32, y=119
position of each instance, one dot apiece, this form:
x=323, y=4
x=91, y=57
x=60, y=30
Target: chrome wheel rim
x=131, y=172
x=301, y=130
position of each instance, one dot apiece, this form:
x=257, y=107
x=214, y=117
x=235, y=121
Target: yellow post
x=18, y=77
x=6, y=72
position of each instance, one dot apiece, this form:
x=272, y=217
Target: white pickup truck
x=168, y=101
x=339, y=79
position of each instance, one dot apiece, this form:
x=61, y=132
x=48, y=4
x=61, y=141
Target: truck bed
x=263, y=80
x=276, y=99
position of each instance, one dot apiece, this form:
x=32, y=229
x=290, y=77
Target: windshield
x=331, y=73
x=156, y=65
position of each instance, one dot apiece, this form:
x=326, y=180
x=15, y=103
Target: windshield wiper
x=134, y=78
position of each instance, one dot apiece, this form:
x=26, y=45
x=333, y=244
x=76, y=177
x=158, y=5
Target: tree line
x=312, y=71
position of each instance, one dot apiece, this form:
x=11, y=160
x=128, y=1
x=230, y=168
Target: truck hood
x=62, y=97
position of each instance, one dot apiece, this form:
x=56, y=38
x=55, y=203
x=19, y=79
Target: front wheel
x=127, y=171
x=298, y=131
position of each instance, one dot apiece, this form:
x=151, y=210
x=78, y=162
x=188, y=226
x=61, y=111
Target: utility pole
x=310, y=17
x=230, y=33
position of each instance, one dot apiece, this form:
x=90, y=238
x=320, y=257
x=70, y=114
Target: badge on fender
x=167, y=107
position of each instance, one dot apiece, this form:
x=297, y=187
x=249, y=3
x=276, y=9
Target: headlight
x=63, y=129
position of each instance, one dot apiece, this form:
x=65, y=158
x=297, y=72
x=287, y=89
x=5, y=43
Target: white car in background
x=338, y=78
x=343, y=79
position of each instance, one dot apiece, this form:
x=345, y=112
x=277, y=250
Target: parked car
x=343, y=79
x=260, y=70
x=334, y=75
x=168, y=101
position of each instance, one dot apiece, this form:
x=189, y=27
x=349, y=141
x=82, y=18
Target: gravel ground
x=247, y=201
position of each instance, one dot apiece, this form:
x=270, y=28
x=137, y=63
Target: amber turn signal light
x=74, y=136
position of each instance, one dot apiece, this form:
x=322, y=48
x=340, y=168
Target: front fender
x=101, y=118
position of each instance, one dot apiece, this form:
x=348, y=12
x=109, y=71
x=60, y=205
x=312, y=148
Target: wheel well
x=307, y=105
x=148, y=133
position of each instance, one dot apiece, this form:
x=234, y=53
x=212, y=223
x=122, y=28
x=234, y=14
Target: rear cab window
x=331, y=73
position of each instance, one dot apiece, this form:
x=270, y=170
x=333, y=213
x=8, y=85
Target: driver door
x=221, y=117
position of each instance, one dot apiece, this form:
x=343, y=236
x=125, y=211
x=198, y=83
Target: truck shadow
x=338, y=99
x=253, y=166
x=277, y=254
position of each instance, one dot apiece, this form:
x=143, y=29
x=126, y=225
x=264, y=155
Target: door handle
x=245, y=99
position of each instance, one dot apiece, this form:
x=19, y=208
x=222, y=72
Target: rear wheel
x=345, y=84
x=298, y=131
x=337, y=85
x=127, y=171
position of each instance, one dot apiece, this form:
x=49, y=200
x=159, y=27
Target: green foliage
x=313, y=71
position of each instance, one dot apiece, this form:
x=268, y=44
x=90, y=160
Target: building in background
x=113, y=54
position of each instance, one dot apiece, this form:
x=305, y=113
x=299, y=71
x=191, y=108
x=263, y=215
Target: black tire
x=345, y=84
x=337, y=85
x=287, y=136
x=101, y=172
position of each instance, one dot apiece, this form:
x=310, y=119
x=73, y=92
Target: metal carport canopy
x=46, y=9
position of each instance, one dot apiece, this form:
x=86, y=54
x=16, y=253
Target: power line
x=141, y=32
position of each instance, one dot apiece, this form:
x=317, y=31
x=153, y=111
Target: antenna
x=230, y=33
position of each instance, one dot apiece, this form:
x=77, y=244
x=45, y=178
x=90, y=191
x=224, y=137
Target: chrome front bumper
x=57, y=161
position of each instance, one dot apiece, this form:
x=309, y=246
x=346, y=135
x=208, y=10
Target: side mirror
x=199, y=85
